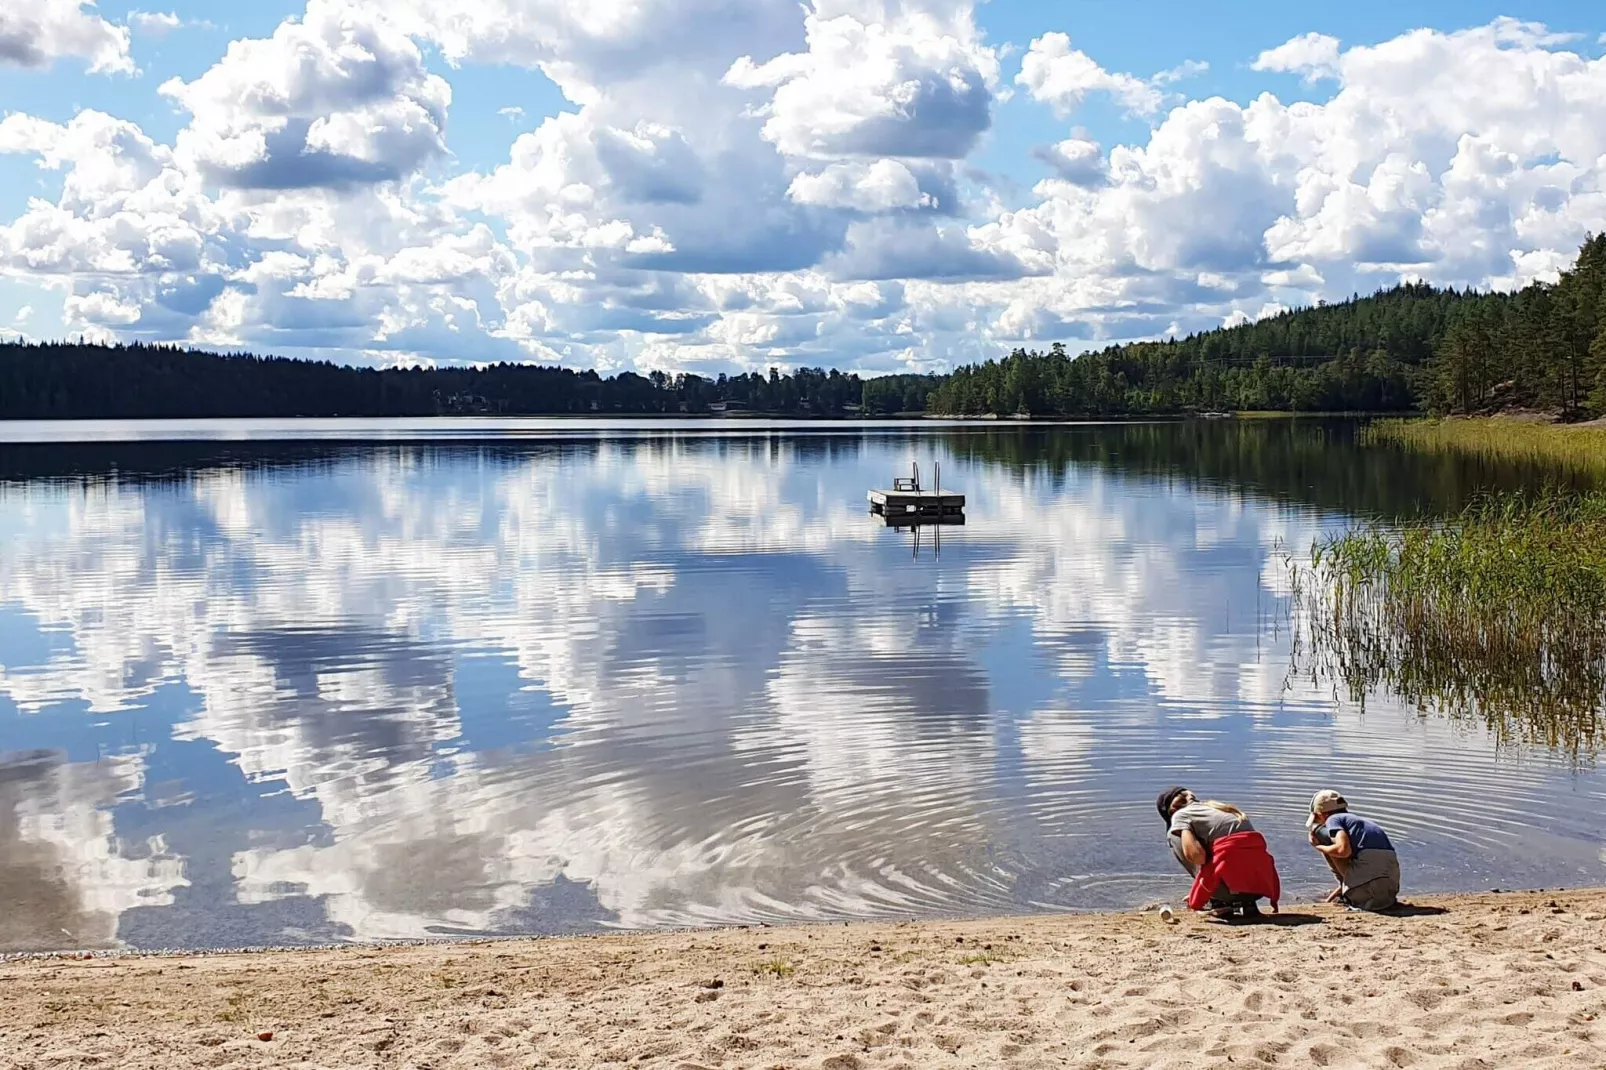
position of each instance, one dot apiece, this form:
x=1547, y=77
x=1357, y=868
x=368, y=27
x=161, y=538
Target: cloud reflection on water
x=657, y=682
x=65, y=879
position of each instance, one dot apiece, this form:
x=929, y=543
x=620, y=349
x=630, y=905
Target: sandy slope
x=1497, y=981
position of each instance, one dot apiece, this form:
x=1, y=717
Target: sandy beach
x=1495, y=980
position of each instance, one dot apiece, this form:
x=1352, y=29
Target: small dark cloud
x=937, y=182
x=1081, y=163
x=789, y=240
x=288, y=163
x=883, y=249
x=668, y=173
x=611, y=319
x=20, y=47
x=192, y=296
x=942, y=121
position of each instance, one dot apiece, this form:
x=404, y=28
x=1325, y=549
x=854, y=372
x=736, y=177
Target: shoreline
x=70, y=954
x=1487, y=979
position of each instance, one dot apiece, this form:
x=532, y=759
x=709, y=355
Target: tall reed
x=1496, y=616
x=1536, y=442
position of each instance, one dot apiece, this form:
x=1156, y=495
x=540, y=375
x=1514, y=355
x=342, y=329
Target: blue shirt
x=1364, y=835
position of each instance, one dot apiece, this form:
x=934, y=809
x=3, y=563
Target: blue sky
x=709, y=185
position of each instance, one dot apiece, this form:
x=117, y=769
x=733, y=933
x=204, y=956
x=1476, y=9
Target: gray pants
x=1369, y=879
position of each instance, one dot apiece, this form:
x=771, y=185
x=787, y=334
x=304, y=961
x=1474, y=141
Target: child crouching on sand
x=1228, y=859
x=1359, y=852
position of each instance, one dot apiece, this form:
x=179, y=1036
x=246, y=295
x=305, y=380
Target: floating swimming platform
x=910, y=503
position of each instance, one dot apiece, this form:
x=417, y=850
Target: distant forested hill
x=1410, y=347
x=64, y=381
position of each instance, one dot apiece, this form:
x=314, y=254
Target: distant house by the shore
x=468, y=404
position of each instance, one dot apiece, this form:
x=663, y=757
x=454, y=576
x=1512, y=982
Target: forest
x=1407, y=349
x=72, y=381
x=1410, y=348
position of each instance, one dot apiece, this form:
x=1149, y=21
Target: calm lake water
x=642, y=675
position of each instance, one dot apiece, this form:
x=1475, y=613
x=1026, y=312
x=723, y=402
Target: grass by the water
x=1498, y=615
x=1539, y=442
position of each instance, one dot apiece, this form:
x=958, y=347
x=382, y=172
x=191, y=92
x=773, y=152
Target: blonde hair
x=1187, y=798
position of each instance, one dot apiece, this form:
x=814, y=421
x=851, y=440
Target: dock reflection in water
x=258, y=694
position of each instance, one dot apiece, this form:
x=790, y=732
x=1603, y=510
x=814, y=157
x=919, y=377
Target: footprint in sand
x=1427, y=998
x=1398, y=1057
x=1321, y=1054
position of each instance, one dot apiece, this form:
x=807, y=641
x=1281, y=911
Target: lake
x=268, y=684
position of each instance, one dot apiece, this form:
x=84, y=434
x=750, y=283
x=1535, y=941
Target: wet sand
x=1492, y=981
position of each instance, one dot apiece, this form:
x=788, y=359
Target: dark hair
x=1167, y=799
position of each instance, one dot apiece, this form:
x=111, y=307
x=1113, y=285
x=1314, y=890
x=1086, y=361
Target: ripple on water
x=669, y=681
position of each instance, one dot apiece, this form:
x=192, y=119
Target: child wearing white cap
x=1359, y=851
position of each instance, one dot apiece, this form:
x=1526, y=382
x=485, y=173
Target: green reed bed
x=1579, y=448
x=1497, y=616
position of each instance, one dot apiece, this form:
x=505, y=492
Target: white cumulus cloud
x=1456, y=157
x=123, y=208
x=154, y=23
x=339, y=97
x=35, y=33
x=1077, y=160
x=1314, y=55
x=734, y=183
x=876, y=187
x=912, y=84
x=587, y=47
x=1059, y=75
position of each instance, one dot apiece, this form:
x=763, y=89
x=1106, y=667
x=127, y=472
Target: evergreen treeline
x=892, y=394
x=68, y=381
x=1540, y=348
x=1408, y=348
